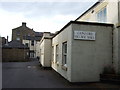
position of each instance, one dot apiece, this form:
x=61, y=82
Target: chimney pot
x=24, y=24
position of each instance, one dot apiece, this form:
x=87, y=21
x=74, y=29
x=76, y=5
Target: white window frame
x=64, y=54
x=57, y=53
x=52, y=53
x=102, y=15
x=18, y=39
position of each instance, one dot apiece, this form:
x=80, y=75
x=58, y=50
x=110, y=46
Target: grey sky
x=33, y=13
x=46, y=8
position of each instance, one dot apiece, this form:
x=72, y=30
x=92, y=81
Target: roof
x=23, y=26
x=39, y=34
x=15, y=44
x=98, y=2
x=32, y=38
x=82, y=22
x=27, y=28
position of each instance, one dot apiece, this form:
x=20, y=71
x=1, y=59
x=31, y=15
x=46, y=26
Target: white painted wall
x=38, y=48
x=58, y=40
x=112, y=17
x=45, y=50
x=90, y=57
x=0, y=62
x=112, y=12
x=85, y=59
x=42, y=53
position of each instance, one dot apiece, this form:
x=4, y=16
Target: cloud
x=41, y=16
x=48, y=0
x=8, y=21
x=38, y=9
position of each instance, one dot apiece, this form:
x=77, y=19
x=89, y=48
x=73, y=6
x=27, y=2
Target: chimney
x=46, y=34
x=7, y=41
x=24, y=24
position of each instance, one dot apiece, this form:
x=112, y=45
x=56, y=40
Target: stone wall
x=14, y=54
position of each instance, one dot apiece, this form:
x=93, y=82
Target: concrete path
x=30, y=75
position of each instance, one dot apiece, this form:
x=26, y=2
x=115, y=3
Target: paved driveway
x=30, y=75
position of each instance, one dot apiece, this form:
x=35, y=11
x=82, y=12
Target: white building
x=34, y=44
x=82, y=50
x=45, y=49
x=106, y=11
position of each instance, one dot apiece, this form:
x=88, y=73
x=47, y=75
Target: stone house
x=19, y=32
x=28, y=37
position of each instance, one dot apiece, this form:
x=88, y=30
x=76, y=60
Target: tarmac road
x=30, y=75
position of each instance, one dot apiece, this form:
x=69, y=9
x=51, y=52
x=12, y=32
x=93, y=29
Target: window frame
x=27, y=44
x=52, y=53
x=32, y=42
x=101, y=15
x=57, y=53
x=17, y=33
x=18, y=38
x=64, y=54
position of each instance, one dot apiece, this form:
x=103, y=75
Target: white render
x=45, y=50
x=113, y=16
x=86, y=59
x=112, y=12
x=38, y=49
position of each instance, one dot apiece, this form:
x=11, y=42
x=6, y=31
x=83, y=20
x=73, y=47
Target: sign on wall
x=84, y=35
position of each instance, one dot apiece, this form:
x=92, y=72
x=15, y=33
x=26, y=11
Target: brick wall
x=14, y=54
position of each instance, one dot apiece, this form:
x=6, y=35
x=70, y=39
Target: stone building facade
x=28, y=37
x=19, y=32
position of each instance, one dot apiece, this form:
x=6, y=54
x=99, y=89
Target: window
x=64, y=54
x=57, y=54
x=102, y=15
x=28, y=34
x=18, y=39
x=26, y=44
x=32, y=43
x=18, y=32
x=31, y=54
x=52, y=53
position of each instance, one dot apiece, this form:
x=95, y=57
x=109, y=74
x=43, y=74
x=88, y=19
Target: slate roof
x=15, y=44
x=38, y=34
x=37, y=38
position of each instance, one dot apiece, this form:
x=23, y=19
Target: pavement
x=31, y=75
